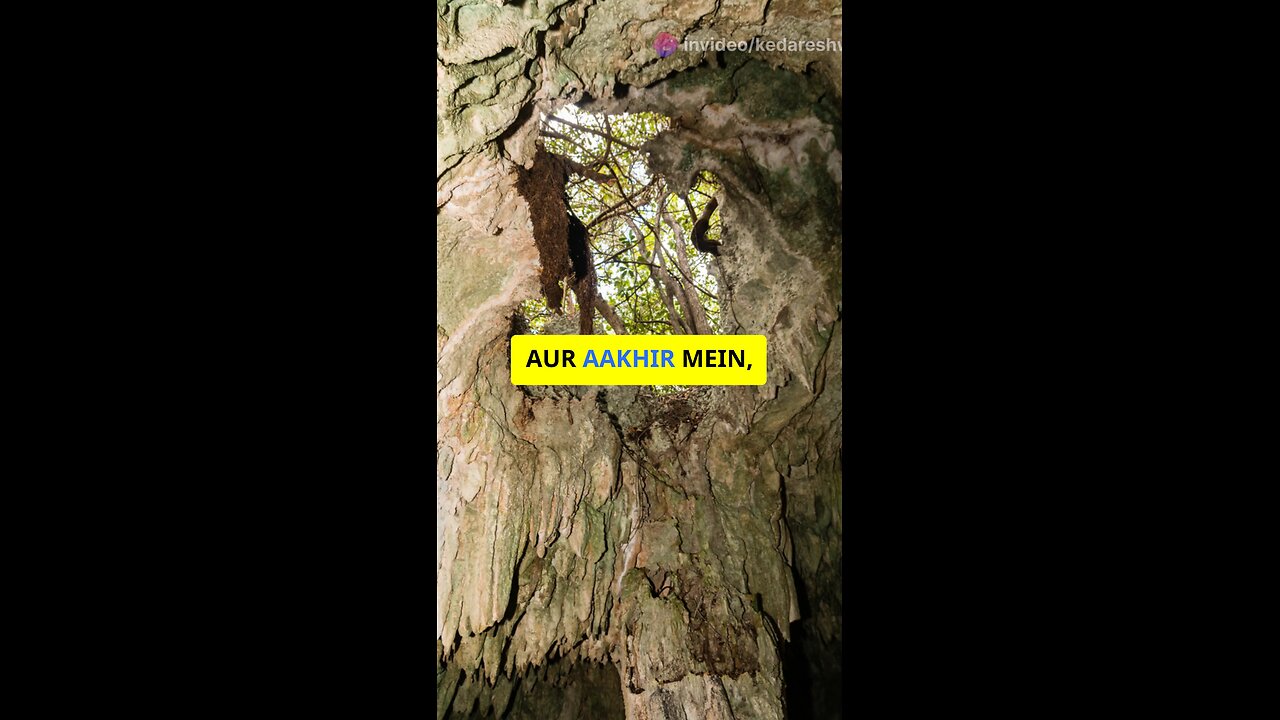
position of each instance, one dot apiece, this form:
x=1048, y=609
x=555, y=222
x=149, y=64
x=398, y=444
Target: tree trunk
x=666, y=287
x=609, y=552
x=688, y=293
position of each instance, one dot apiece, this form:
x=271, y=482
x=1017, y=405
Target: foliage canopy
x=652, y=278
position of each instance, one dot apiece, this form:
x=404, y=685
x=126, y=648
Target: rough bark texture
x=604, y=552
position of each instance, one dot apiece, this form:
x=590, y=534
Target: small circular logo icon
x=665, y=44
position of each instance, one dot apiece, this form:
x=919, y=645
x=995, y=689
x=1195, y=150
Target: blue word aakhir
x=630, y=358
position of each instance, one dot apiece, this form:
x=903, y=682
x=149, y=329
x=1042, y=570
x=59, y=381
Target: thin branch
x=608, y=143
x=544, y=132
x=693, y=216
x=588, y=173
x=631, y=203
x=683, y=267
x=628, y=262
x=593, y=131
x=610, y=316
x=614, y=256
x=692, y=305
x=664, y=283
x=626, y=199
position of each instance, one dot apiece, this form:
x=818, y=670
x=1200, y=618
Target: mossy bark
x=590, y=538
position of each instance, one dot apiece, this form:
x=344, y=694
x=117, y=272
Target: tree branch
x=588, y=173
x=664, y=283
x=593, y=131
x=692, y=305
x=683, y=265
x=701, y=224
x=610, y=316
x=626, y=200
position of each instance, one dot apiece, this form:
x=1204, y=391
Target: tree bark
x=611, y=552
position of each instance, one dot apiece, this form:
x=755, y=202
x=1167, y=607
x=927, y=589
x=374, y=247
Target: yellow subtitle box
x=639, y=359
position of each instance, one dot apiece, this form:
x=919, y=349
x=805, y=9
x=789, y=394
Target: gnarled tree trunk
x=607, y=552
